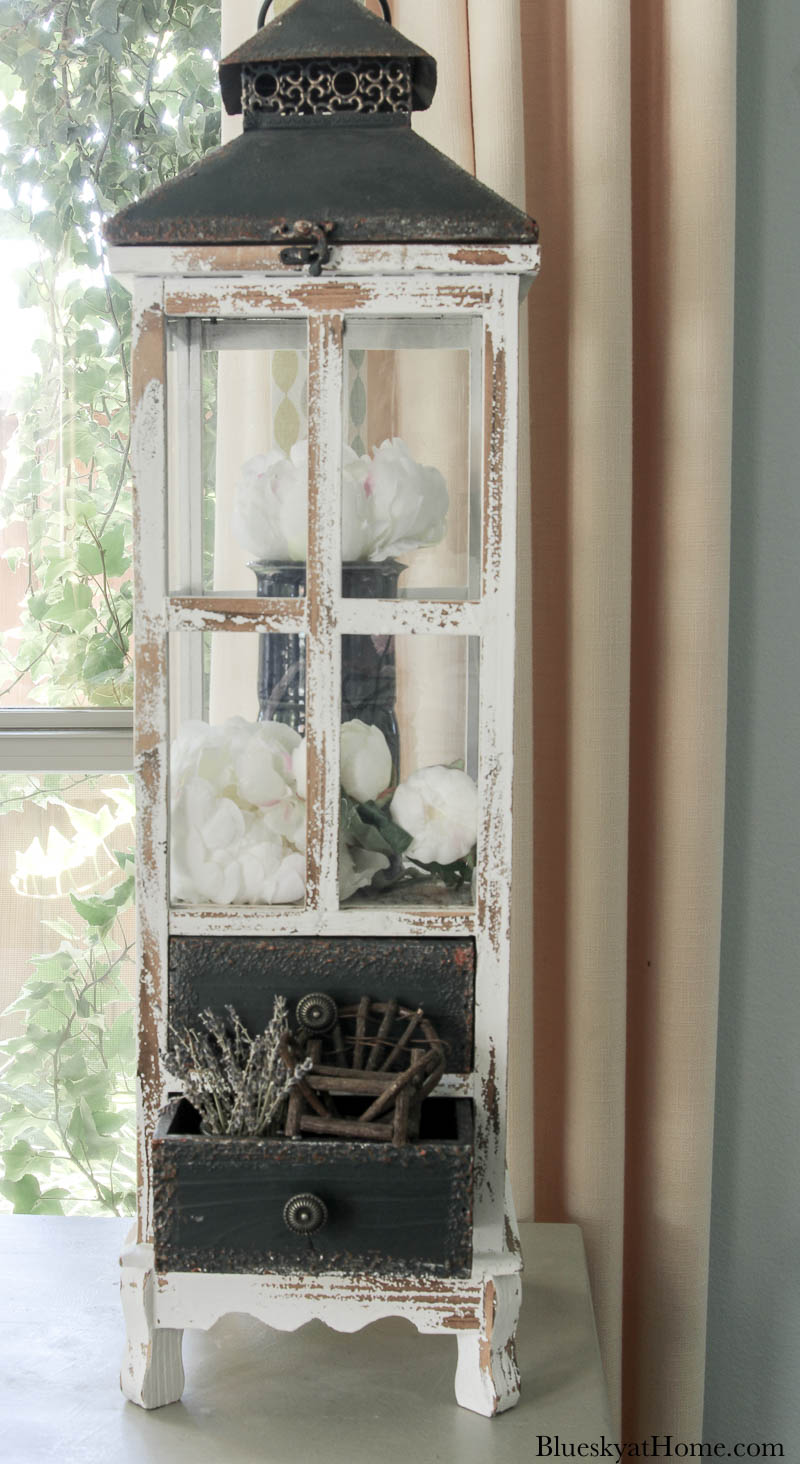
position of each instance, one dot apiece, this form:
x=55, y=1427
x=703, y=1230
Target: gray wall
x=753, y=1386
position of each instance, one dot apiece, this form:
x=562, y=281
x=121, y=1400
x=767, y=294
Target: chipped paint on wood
x=148, y=454
x=410, y=617
x=487, y=1378
x=353, y=617
x=493, y=881
x=203, y=613
x=373, y=919
x=446, y=285
x=382, y=295
x=347, y=259
x=323, y=584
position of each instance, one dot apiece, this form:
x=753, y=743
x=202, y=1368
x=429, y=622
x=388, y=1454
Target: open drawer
x=274, y=1204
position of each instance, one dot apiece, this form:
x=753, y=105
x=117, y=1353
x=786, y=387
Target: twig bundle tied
x=239, y=1084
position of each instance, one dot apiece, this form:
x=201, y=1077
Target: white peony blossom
x=358, y=538
x=271, y=509
x=299, y=764
x=439, y=808
x=238, y=825
x=390, y=504
x=407, y=502
x=366, y=761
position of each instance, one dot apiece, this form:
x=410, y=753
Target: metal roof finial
x=262, y=14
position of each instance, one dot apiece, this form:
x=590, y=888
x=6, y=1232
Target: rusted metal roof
x=362, y=176
x=374, y=185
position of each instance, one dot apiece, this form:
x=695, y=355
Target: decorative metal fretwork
x=321, y=88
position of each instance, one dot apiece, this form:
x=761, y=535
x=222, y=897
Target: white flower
x=238, y=826
x=357, y=530
x=299, y=763
x=288, y=885
x=408, y=502
x=356, y=868
x=269, y=517
x=366, y=761
x=390, y=504
x=439, y=808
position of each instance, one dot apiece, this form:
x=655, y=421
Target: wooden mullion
x=151, y=727
x=496, y=760
x=323, y=587
x=236, y=613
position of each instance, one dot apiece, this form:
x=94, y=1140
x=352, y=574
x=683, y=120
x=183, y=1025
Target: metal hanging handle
x=262, y=14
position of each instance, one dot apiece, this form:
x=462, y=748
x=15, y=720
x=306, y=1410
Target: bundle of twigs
x=239, y=1084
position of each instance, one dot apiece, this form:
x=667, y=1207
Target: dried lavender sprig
x=238, y=1084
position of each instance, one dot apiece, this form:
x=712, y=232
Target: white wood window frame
x=59, y=740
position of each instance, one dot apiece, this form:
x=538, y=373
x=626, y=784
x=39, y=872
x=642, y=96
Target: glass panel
x=411, y=481
x=65, y=508
x=409, y=769
x=67, y=1091
x=237, y=471
x=238, y=822
x=65, y=164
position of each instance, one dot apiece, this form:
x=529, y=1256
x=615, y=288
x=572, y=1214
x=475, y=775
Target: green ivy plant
x=67, y=1129
x=98, y=102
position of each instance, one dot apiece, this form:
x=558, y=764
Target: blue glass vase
x=369, y=673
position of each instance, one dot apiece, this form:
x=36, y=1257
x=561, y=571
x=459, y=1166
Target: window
x=98, y=101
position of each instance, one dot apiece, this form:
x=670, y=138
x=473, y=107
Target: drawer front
x=220, y=1204
x=246, y=972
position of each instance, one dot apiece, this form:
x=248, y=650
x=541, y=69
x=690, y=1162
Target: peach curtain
x=629, y=137
x=614, y=122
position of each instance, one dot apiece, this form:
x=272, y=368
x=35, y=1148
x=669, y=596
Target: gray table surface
x=382, y=1394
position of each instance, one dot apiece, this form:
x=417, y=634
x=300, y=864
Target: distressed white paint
x=136, y=261
x=151, y=731
x=493, y=881
x=185, y=505
x=323, y=585
x=152, y=1368
x=487, y=1376
x=380, y=295
x=353, y=617
x=454, y=286
x=481, y=1311
x=371, y=919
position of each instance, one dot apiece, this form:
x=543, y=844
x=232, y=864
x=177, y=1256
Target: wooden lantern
x=329, y=234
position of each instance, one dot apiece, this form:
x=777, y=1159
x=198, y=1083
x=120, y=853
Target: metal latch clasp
x=311, y=246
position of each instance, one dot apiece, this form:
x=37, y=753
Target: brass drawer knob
x=317, y=1012
x=305, y=1214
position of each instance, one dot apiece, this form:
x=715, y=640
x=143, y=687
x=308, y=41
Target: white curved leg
x=487, y=1376
x=152, y=1368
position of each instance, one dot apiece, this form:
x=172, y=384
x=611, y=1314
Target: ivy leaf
x=95, y=911
x=124, y=892
x=22, y=1159
x=49, y=1203
x=23, y=1193
x=111, y=41
x=37, y=606
x=104, y=13
x=104, y=659
x=74, y=609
